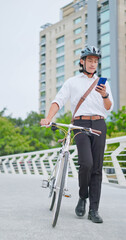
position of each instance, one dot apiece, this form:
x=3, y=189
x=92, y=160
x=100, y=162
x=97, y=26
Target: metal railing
x=42, y=162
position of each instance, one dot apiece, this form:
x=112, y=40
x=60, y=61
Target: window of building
x=77, y=20
x=77, y=51
x=105, y=62
x=60, y=69
x=106, y=73
x=105, y=39
x=60, y=79
x=43, y=76
x=43, y=67
x=77, y=41
x=60, y=59
x=77, y=30
x=43, y=94
x=76, y=72
x=43, y=84
x=43, y=112
x=60, y=40
x=105, y=28
x=105, y=50
x=76, y=62
x=86, y=18
x=60, y=50
x=43, y=49
x=43, y=105
x=43, y=39
x=58, y=88
x=105, y=16
x=43, y=58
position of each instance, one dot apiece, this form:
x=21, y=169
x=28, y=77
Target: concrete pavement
x=25, y=215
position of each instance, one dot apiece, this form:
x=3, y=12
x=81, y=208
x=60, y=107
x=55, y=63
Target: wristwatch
x=107, y=94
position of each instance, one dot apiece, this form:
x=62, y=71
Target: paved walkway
x=25, y=215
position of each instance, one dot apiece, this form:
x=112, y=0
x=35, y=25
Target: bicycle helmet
x=90, y=51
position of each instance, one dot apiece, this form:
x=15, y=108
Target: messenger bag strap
x=84, y=97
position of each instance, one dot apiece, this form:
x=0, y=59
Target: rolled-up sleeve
x=63, y=95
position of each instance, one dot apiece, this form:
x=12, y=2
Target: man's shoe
x=94, y=216
x=80, y=208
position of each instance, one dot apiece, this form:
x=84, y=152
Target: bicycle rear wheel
x=59, y=188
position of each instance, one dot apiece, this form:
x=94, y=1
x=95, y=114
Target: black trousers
x=90, y=160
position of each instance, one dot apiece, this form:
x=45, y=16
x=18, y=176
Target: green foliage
x=33, y=118
x=17, y=135
x=11, y=141
x=59, y=134
x=2, y=112
x=117, y=125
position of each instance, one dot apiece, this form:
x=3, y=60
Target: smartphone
x=101, y=81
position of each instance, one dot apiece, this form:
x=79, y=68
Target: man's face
x=91, y=63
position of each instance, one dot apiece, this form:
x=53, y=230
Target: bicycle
x=57, y=181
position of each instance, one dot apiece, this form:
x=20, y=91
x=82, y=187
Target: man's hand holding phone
x=101, y=88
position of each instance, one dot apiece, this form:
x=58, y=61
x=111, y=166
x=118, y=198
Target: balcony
x=86, y=21
x=43, y=107
x=86, y=32
x=43, y=51
x=43, y=42
x=43, y=88
x=43, y=69
x=42, y=80
x=42, y=60
x=42, y=98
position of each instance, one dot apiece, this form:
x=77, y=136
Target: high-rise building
x=101, y=23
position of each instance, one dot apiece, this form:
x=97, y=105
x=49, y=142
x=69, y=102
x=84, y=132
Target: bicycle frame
x=60, y=171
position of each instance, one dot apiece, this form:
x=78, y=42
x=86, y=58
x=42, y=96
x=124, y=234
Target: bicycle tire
x=59, y=194
x=52, y=193
x=52, y=187
x=53, y=201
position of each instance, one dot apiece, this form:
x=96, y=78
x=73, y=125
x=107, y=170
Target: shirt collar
x=85, y=76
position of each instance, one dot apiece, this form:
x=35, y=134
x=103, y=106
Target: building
x=84, y=22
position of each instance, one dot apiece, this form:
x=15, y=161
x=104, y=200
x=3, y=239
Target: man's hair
x=81, y=66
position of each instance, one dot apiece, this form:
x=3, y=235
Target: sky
x=20, y=24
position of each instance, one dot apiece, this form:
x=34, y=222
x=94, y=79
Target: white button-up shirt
x=74, y=88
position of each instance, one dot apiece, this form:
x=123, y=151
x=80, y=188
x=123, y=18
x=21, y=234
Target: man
x=91, y=113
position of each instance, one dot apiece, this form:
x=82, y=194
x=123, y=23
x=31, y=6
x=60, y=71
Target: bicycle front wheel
x=60, y=188
x=53, y=201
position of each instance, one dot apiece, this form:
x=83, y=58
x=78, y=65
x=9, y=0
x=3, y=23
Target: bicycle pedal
x=45, y=183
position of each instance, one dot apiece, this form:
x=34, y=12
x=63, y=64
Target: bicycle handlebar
x=71, y=126
x=96, y=131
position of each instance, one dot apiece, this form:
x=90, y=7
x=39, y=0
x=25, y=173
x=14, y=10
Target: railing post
x=118, y=170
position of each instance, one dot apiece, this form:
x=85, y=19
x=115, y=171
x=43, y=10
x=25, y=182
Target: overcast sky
x=20, y=22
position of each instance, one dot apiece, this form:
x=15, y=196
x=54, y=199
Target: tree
x=117, y=124
x=2, y=112
x=33, y=118
x=11, y=141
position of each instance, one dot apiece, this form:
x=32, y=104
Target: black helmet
x=90, y=51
